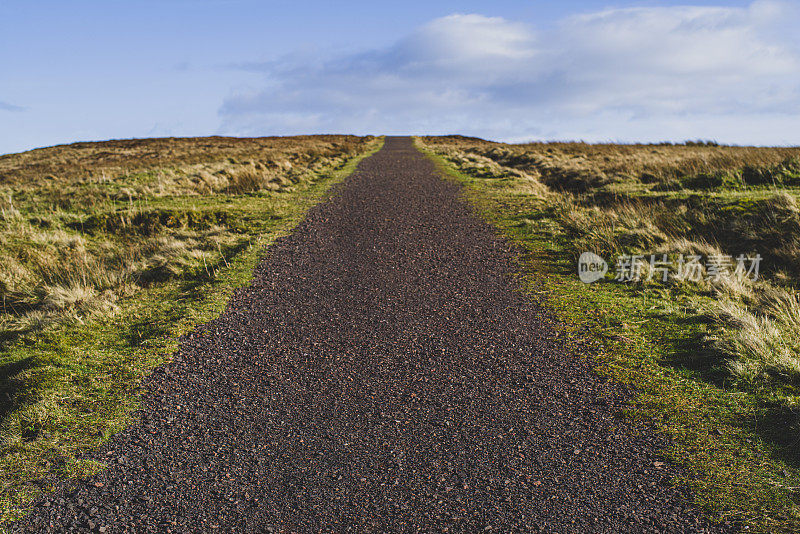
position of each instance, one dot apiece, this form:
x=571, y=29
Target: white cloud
x=638, y=73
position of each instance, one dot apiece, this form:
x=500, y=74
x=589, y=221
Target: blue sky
x=594, y=70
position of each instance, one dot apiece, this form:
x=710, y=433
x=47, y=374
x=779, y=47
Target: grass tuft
x=715, y=362
x=108, y=253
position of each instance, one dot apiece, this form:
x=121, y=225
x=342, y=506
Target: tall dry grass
x=577, y=166
x=689, y=199
x=83, y=225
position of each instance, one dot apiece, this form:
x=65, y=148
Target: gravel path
x=382, y=373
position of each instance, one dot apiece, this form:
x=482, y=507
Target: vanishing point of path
x=383, y=373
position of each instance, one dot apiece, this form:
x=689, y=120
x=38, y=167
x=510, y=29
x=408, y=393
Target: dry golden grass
x=111, y=251
x=82, y=225
x=581, y=166
x=714, y=363
x=100, y=162
x=675, y=199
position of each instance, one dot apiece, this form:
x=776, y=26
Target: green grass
x=738, y=443
x=70, y=386
x=84, y=225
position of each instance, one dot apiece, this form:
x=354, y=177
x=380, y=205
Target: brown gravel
x=382, y=373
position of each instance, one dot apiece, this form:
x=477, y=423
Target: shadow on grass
x=9, y=337
x=140, y=332
x=690, y=350
x=774, y=423
x=193, y=289
x=779, y=425
x=10, y=387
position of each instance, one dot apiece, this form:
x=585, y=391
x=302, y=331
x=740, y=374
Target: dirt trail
x=382, y=373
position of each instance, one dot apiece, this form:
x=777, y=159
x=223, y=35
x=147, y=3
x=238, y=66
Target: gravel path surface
x=382, y=373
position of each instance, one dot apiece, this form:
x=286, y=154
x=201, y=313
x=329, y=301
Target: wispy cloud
x=651, y=72
x=5, y=106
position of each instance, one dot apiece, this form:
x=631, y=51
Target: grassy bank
x=110, y=251
x=713, y=361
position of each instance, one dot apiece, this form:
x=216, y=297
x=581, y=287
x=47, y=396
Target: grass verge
x=739, y=444
x=70, y=387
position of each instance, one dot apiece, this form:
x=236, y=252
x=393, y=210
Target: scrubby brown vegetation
x=692, y=199
x=579, y=167
x=108, y=252
x=87, y=162
x=84, y=224
x=714, y=362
